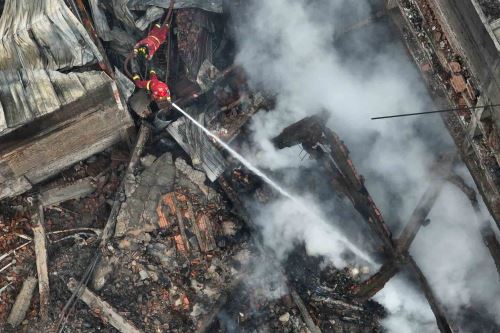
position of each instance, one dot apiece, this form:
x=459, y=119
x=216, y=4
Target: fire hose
x=167, y=21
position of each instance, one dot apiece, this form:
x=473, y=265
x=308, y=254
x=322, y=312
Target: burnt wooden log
x=104, y=309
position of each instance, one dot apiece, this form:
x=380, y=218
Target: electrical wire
x=435, y=111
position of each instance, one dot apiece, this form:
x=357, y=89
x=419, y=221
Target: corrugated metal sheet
x=43, y=34
x=197, y=145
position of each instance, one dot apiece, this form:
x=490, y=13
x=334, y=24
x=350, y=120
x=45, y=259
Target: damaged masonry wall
x=456, y=46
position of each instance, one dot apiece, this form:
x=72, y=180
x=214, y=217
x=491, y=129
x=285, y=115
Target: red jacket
x=159, y=90
x=156, y=37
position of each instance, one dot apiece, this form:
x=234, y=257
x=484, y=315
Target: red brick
x=425, y=67
x=455, y=67
x=471, y=91
x=458, y=83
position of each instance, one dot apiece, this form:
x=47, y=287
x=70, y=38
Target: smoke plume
x=295, y=48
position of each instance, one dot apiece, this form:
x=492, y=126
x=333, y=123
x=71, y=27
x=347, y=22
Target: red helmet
x=160, y=91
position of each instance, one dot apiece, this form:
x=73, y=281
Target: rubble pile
x=155, y=233
x=159, y=239
x=491, y=8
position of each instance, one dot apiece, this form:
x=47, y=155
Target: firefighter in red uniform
x=158, y=89
x=148, y=46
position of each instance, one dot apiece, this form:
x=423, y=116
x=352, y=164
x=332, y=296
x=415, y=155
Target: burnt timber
x=324, y=145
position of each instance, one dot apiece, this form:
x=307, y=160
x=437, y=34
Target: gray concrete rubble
x=143, y=197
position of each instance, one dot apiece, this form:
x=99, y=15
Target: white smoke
x=287, y=46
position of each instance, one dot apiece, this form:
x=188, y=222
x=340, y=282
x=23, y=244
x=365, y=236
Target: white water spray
x=273, y=184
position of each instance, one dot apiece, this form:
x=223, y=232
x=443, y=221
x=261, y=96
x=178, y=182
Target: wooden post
x=105, y=310
x=41, y=264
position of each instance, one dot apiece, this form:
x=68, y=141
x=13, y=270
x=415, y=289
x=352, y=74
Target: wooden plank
x=41, y=267
x=23, y=301
x=80, y=189
x=197, y=145
x=105, y=310
x=14, y=186
x=93, y=101
x=35, y=160
x=29, y=94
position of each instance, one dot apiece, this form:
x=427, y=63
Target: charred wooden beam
x=377, y=282
x=335, y=155
x=307, y=130
x=79, y=189
x=142, y=138
x=486, y=230
x=87, y=23
x=103, y=308
x=326, y=147
x=424, y=206
x=313, y=328
x=436, y=307
x=109, y=229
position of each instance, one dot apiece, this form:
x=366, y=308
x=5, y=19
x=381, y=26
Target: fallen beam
x=143, y=136
x=420, y=213
x=374, y=284
x=436, y=307
x=304, y=312
x=326, y=147
x=41, y=264
x=80, y=189
x=109, y=229
x=106, y=312
x=23, y=301
x=485, y=228
x=104, y=63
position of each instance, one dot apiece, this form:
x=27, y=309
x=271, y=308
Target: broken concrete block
x=195, y=176
x=148, y=160
x=138, y=212
x=103, y=272
x=284, y=318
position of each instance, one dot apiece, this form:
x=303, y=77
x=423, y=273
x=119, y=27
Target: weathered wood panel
x=28, y=94
x=73, y=139
x=43, y=34
x=78, y=130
